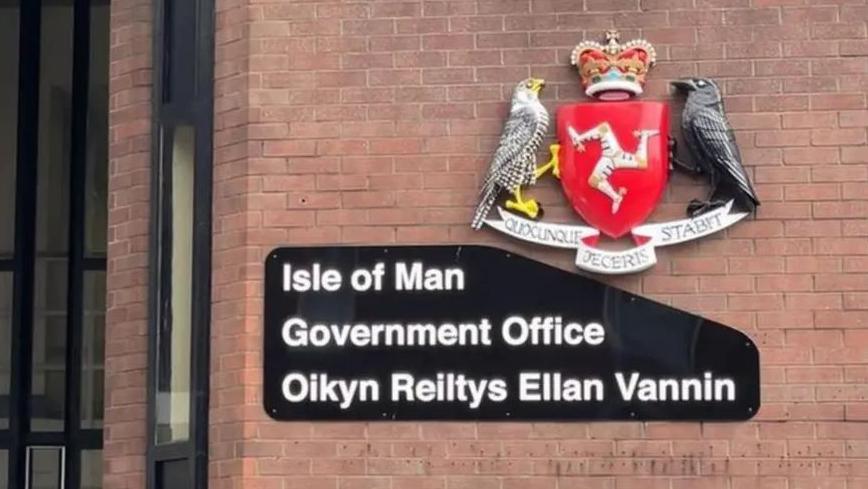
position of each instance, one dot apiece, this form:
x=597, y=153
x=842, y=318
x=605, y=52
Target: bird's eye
x=700, y=83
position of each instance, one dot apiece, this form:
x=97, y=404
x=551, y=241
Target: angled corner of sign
x=270, y=411
x=753, y=410
x=272, y=255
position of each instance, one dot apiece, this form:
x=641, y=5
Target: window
x=53, y=175
x=174, y=329
x=181, y=245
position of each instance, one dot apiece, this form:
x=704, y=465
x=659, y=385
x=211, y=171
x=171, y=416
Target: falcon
x=711, y=143
x=514, y=162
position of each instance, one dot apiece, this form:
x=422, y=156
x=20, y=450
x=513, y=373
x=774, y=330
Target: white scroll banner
x=615, y=262
x=618, y=262
x=674, y=232
x=554, y=235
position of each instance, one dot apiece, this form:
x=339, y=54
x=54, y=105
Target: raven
x=712, y=146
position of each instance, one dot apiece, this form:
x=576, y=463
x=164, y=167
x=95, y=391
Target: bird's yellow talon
x=553, y=164
x=529, y=207
x=532, y=209
x=555, y=161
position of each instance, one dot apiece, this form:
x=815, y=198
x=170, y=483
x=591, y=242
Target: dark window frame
x=169, y=112
x=19, y=437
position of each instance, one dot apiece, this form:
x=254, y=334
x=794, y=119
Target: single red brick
x=420, y=94
x=856, y=300
x=539, y=20
x=809, y=120
x=838, y=137
x=811, y=482
x=613, y=5
x=838, y=101
x=784, y=283
x=755, y=121
x=342, y=11
x=855, y=412
x=361, y=27
x=365, y=483
x=295, y=482
x=854, y=48
x=755, y=50
x=783, y=138
x=480, y=482
x=394, y=43
x=476, y=23
x=838, y=31
x=587, y=448
x=729, y=431
x=841, y=319
x=782, y=102
x=758, y=449
x=837, y=210
x=419, y=25
x=635, y=482
x=394, y=77
x=672, y=431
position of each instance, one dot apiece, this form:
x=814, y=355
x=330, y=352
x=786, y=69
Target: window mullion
x=75, y=270
x=25, y=234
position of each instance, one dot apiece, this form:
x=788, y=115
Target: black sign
x=476, y=333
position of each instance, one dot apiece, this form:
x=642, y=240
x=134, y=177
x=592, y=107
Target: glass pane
x=173, y=363
x=91, y=469
x=96, y=184
x=174, y=474
x=4, y=469
x=180, y=75
x=47, y=401
x=5, y=346
x=52, y=218
x=8, y=123
x=55, y=88
x=46, y=467
x=93, y=351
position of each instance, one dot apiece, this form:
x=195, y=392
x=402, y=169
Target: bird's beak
x=684, y=85
x=537, y=84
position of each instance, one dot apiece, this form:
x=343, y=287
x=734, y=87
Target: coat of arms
x=613, y=159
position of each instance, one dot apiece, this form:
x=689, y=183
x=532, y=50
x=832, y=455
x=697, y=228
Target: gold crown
x=614, y=68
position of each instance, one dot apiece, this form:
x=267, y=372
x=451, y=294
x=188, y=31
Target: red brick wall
x=234, y=320
x=127, y=275
x=371, y=121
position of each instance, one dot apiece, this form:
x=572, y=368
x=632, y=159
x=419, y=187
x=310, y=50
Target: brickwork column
x=126, y=338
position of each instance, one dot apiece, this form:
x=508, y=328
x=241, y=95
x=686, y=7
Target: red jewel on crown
x=615, y=71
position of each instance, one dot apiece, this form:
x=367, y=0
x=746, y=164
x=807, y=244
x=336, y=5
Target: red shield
x=614, y=165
